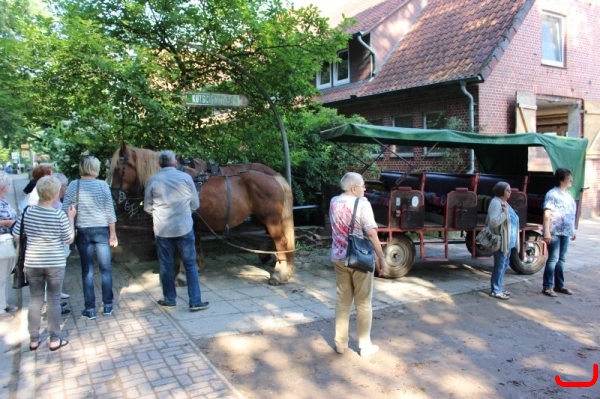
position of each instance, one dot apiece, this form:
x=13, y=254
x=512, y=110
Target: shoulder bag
x=361, y=254
x=19, y=276
x=487, y=240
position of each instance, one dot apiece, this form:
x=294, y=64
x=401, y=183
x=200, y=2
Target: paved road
x=150, y=352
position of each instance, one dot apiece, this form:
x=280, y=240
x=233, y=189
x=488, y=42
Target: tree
x=117, y=70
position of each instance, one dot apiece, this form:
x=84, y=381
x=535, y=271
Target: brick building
x=497, y=66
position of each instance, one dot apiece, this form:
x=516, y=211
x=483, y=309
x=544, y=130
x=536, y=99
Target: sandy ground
x=461, y=346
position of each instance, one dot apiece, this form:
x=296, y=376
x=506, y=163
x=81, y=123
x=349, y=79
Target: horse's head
x=122, y=176
x=130, y=169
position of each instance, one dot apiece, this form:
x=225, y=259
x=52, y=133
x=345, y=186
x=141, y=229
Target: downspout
x=463, y=88
x=370, y=50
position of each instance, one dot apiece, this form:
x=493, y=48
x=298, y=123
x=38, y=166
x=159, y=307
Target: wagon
x=411, y=208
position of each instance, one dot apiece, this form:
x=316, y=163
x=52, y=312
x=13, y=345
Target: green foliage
x=315, y=162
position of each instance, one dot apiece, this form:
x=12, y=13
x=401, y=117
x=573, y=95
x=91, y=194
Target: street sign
x=206, y=99
x=14, y=155
x=24, y=153
x=24, y=146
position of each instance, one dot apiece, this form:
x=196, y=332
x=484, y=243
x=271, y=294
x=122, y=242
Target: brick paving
x=145, y=351
x=138, y=352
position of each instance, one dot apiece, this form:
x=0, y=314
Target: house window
x=335, y=75
x=324, y=76
x=341, y=69
x=434, y=120
x=553, y=40
x=403, y=150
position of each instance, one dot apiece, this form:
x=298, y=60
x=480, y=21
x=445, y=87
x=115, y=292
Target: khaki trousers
x=353, y=285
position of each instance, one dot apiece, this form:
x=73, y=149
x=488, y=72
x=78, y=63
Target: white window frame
x=559, y=20
x=334, y=79
x=403, y=154
x=319, y=74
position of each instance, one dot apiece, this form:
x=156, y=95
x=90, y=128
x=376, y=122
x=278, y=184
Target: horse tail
x=287, y=218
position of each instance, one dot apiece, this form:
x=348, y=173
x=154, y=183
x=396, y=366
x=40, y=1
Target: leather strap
x=353, y=217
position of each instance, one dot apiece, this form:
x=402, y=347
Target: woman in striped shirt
x=96, y=232
x=47, y=230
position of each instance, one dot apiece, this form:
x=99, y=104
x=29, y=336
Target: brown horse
x=225, y=200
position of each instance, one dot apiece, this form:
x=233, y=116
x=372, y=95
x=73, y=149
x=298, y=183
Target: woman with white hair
x=7, y=249
x=353, y=285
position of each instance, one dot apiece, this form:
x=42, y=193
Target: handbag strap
x=353, y=217
x=76, y=203
x=22, y=223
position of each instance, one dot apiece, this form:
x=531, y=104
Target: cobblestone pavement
x=145, y=351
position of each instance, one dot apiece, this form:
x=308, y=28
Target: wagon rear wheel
x=533, y=260
x=399, y=256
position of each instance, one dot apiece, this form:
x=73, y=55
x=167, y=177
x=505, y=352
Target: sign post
x=207, y=99
x=243, y=71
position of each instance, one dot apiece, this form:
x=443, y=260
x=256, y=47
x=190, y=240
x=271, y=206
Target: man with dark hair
x=170, y=198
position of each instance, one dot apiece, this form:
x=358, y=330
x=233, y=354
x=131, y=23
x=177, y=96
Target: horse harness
x=202, y=177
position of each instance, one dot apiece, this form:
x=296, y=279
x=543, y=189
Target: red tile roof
x=450, y=41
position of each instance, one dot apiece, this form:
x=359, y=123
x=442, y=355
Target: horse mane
x=146, y=163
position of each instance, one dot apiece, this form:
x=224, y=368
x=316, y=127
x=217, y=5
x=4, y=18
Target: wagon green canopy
x=497, y=153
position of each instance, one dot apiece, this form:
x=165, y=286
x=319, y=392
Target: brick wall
x=136, y=239
x=520, y=69
x=417, y=103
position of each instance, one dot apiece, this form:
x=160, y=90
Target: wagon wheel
x=399, y=256
x=479, y=251
x=533, y=260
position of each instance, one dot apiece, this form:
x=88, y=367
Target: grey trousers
x=51, y=278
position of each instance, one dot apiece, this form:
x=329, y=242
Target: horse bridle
x=121, y=195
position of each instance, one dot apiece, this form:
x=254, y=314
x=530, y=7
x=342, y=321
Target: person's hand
x=113, y=240
x=547, y=239
x=72, y=211
x=381, y=266
x=573, y=237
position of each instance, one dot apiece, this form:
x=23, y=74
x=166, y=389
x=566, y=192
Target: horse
x=226, y=199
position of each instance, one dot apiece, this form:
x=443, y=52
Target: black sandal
x=33, y=348
x=62, y=343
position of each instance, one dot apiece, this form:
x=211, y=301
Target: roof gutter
x=463, y=88
x=359, y=36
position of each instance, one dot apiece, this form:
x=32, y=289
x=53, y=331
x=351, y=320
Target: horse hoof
x=274, y=281
x=180, y=283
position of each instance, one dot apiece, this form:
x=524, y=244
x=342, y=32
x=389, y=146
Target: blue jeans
x=501, y=262
x=50, y=280
x=90, y=240
x=555, y=265
x=186, y=245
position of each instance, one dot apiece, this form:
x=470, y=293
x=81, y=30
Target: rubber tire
x=399, y=256
x=479, y=252
x=534, y=244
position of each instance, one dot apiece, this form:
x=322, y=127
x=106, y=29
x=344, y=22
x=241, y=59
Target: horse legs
x=283, y=269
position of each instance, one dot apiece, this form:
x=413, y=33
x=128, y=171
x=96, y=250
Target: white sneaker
x=64, y=296
x=369, y=350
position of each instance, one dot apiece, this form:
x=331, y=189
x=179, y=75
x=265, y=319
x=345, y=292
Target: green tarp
x=505, y=154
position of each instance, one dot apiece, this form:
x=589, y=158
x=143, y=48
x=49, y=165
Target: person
x=353, y=284
x=37, y=173
x=171, y=197
x=502, y=220
x=9, y=169
x=96, y=232
x=64, y=182
x=47, y=230
x=8, y=254
x=558, y=226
